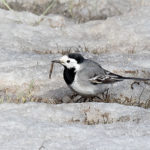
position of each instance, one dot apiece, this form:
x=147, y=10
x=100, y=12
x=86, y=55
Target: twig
x=51, y=70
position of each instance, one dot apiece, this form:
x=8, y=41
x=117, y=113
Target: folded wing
x=106, y=78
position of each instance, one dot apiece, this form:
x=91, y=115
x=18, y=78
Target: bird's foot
x=75, y=98
x=103, y=97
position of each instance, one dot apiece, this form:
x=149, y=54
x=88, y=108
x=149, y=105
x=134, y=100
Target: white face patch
x=69, y=63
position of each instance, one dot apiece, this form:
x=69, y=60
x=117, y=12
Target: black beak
x=56, y=61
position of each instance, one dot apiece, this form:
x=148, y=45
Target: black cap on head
x=78, y=57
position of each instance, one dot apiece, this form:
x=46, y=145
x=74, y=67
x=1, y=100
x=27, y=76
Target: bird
x=87, y=77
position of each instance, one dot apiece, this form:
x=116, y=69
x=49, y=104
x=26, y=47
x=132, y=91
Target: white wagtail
x=86, y=77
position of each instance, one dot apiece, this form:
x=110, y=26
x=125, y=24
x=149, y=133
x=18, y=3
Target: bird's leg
x=73, y=95
x=103, y=96
x=77, y=98
x=106, y=93
x=89, y=99
x=98, y=98
x=80, y=99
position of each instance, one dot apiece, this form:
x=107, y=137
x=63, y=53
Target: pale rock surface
x=127, y=33
x=33, y=126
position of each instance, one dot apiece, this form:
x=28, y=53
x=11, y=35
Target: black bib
x=69, y=75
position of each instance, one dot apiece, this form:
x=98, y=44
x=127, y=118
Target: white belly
x=83, y=89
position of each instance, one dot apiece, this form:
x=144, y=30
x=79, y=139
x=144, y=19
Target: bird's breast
x=82, y=87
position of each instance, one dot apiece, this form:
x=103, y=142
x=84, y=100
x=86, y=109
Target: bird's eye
x=68, y=61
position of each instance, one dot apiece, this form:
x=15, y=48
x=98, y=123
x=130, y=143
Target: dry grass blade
x=44, y=13
x=51, y=70
x=6, y=4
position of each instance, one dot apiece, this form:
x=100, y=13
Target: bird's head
x=72, y=60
